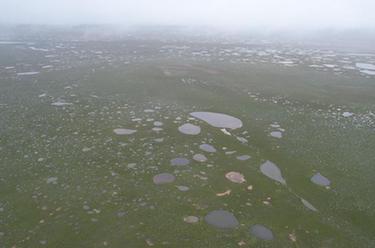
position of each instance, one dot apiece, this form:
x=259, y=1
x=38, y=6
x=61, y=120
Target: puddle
x=261, y=232
x=158, y=123
x=183, y=188
x=29, y=73
x=365, y=66
x=124, y=131
x=189, y=129
x=221, y=219
x=179, y=161
x=207, y=148
x=276, y=134
x=164, y=178
x=243, y=157
x=347, y=114
x=320, y=180
x=61, y=103
x=271, y=170
x=218, y=120
x=368, y=72
x=308, y=205
x=52, y=180
x=200, y=157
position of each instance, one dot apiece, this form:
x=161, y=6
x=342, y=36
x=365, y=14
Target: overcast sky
x=269, y=14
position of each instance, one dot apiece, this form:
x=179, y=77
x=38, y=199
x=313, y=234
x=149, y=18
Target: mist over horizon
x=237, y=15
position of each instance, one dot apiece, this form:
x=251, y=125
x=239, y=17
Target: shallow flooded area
x=169, y=143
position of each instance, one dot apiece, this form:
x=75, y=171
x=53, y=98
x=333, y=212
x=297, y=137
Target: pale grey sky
x=263, y=14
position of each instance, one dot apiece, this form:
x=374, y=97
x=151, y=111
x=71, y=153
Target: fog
x=228, y=14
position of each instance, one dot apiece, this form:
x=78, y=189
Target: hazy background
x=226, y=14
